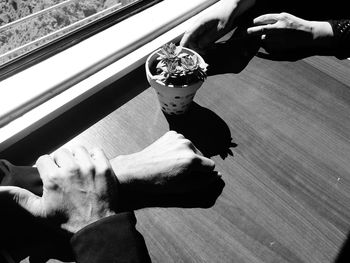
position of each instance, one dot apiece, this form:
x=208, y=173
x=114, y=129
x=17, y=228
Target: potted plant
x=176, y=73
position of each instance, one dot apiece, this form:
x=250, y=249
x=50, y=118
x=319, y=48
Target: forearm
x=126, y=168
x=322, y=34
x=332, y=37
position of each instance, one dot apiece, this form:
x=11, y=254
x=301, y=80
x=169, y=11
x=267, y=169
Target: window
x=27, y=26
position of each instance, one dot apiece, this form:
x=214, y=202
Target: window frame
x=53, y=47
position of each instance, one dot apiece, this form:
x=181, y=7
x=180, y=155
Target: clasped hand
x=79, y=188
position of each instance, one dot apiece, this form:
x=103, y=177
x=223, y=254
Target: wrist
x=136, y=172
x=322, y=34
x=123, y=167
x=76, y=224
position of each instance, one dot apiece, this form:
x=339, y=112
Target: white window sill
x=38, y=94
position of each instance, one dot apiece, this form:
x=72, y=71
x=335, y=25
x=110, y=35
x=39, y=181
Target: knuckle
x=96, y=149
x=171, y=133
x=211, y=164
x=61, y=150
x=174, y=135
x=284, y=16
x=41, y=158
x=97, y=153
x=179, y=136
x=78, y=148
x=186, y=142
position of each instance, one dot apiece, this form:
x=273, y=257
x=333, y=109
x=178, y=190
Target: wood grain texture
x=287, y=180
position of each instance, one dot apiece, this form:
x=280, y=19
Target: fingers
x=263, y=24
x=106, y=178
x=190, y=37
x=203, y=164
x=202, y=180
x=266, y=19
x=200, y=36
x=81, y=155
x=200, y=163
x=260, y=30
x=83, y=160
x=46, y=167
x=64, y=158
x=27, y=200
x=100, y=160
x=195, y=149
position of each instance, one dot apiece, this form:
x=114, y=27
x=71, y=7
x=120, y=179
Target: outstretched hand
x=79, y=188
x=284, y=33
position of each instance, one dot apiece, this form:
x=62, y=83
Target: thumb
x=22, y=197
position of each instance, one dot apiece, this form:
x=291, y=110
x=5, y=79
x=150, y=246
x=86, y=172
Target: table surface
x=279, y=133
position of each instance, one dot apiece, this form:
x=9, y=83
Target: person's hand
x=214, y=25
x=283, y=33
x=79, y=188
x=171, y=165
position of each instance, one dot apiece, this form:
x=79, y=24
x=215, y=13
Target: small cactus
x=179, y=68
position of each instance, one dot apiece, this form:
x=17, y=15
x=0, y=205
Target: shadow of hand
x=200, y=197
x=207, y=131
x=286, y=56
x=344, y=252
x=232, y=55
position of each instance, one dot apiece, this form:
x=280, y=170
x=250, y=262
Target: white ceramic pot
x=173, y=99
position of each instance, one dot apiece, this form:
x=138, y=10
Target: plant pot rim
x=152, y=57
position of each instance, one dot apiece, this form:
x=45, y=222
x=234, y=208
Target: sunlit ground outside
x=28, y=24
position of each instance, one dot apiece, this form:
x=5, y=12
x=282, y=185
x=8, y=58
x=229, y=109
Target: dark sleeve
x=112, y=239
x=341, y=31
x=26, y=177
x=21, y=234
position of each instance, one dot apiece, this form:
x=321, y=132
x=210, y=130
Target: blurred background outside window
x=26, y=25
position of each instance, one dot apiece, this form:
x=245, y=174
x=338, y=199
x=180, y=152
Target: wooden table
x=279, y=133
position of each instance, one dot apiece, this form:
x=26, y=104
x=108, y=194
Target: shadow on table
x=231, y=55
x=204, y=197
x=287, y=56
x=344, y=253
x=208, y=132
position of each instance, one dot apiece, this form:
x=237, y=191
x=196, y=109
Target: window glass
x=26, y=25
